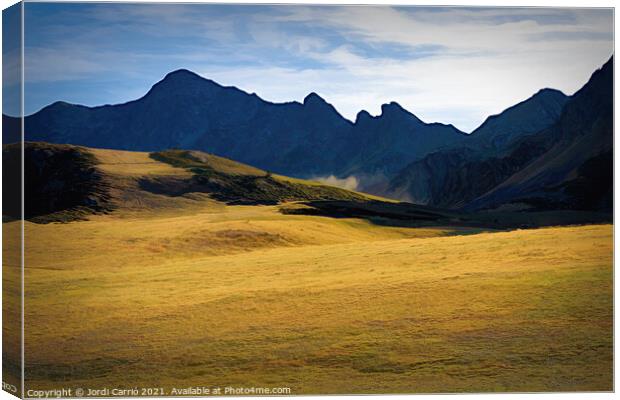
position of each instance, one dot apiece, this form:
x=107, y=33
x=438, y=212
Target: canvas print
x=228, y=199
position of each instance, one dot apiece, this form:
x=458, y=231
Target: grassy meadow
x=245, y=296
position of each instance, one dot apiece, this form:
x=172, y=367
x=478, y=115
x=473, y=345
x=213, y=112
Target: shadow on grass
x=411, y=215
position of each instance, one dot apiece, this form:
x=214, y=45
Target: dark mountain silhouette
x=530, y=116
x=567, y=165
x=386, y=143
x=576, y=172
x=305, y=139
x=441, y=178
x=539, y=154
x=395, y=137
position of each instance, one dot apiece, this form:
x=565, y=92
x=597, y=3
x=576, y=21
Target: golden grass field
x=245, y=296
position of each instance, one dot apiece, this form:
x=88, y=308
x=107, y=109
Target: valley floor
x=247, y=297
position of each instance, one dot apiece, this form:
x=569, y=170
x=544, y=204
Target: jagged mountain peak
x=182, y=73
x=548, y=92
x=183, y=80
x=362, y=116
x=316, y=104
x=185, y=76
x=395, y=110
x=185, y=110
x=313, y=98
x=392, y=106
x=600, y=76
x=549, y=151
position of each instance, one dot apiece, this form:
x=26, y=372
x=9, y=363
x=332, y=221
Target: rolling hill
x=66, y=182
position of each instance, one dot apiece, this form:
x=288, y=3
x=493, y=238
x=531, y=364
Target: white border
x=481, y=3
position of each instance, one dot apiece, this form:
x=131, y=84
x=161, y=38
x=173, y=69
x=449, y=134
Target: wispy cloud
x=454, y=65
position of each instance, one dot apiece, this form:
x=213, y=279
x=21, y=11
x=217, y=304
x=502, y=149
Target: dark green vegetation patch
x=250, y=188
x=61, y=183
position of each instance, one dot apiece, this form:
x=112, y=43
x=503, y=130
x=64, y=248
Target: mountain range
x=541, y=152
x=305, y=139
x=567, y=165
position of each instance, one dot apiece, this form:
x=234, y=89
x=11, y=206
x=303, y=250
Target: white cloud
x=461, y=91
x=484, y=66
x=485, y=59
x=349, y=183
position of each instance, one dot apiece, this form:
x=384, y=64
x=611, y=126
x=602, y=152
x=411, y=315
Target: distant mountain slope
x=441, y=179
x=396, y=137
x=187, y=111
x=564, y=165
x=385, y=143
x=577, y=170
x=530, y=116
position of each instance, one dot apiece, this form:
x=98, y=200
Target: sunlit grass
x=249, y=297
x=177, y=291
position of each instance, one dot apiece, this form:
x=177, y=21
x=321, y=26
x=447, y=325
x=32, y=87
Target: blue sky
x=452, y=65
